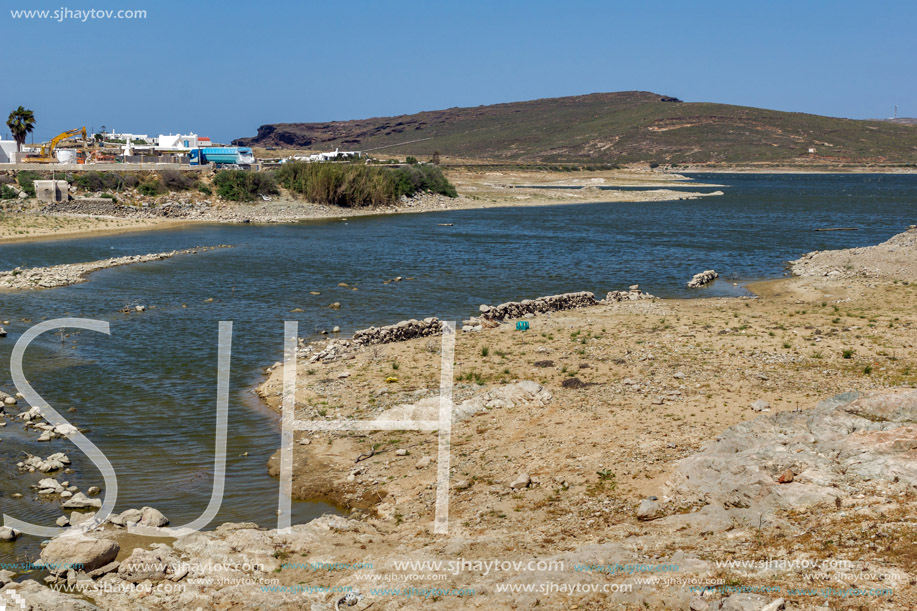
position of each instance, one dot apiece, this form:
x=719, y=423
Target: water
x=147, y=393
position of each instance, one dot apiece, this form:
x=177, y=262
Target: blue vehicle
x=222, y=155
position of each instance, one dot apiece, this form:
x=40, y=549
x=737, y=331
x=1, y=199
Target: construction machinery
x=46, y=155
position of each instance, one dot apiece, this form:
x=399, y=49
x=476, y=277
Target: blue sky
x=224, y=68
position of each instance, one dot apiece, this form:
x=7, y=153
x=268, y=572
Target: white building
x=7, y=150
x=128, y=137
x=179, y=142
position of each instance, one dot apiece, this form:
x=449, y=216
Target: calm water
x=146, y=393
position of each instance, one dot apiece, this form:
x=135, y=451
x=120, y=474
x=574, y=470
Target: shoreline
x=262, y=214
x=623, y=432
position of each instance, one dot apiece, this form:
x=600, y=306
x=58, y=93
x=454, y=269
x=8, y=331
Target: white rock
x=522, y=481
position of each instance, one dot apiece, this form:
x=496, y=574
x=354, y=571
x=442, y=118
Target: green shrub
x=175, y=180
x=243, y=185
x=7, y=193
x=26, y=180
x=104, y=181
x=421, y=178
x=205, y=189
x=151, y=186
x=347, y=185
x=357, y=185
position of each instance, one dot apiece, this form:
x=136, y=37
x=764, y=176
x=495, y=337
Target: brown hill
x=622, y=127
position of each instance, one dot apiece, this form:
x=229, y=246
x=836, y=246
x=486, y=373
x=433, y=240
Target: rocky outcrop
x=849, y=445
x=632, y=294
x=894, y=259
x=702, y=279
x=73, y=273
x=542, y=305
x=399, y=332
x=525, y=392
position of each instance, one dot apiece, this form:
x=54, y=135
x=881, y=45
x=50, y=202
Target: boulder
x=37, y=597
x=649, y=509
x=81, y=501
x=522, y=481
x=68, y=550
x=8, y=534
x=702, y=279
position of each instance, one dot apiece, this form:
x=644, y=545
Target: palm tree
x=21, y=123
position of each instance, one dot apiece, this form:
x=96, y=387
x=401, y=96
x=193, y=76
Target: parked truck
x=241, y=156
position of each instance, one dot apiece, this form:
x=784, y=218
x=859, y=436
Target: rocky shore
x=73, y=273
x=611, y=439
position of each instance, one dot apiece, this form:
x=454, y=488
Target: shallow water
x=147, y=392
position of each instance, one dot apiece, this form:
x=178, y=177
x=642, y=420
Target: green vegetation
x=7, y=193
x=243, y=185
x=151, y=186
x=640, y=126
x=355, y=185
x=26, y=180
x=174, y=180
x=104, y=181
x=421, y=178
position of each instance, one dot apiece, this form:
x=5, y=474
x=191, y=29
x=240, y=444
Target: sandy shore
x=40, y=227
x=477, y=190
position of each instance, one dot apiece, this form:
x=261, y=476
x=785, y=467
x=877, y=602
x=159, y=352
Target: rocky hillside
x=623, y=127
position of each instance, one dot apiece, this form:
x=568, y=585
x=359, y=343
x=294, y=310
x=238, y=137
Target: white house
x=7, y=150
x=128, y=137
x=178, y=142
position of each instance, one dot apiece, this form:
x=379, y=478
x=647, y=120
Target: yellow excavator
x=47, y=150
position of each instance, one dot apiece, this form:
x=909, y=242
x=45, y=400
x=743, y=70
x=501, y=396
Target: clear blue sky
x=222, y=68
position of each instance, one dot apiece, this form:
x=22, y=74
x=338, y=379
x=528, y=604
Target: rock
x=128, y=517
x=761, y=405
x=698, y=604
x=401, y=452
x=522, y=481
x=847, y=445
x=152, y=518
x=62, y=521
x=49, y=483
x=462, y=484
x=68, y=550
x=336, y=329
x=649, y=509
x=104, y=570
x=155, y=565
x=6, y=577
x=786, y=477
x=423, y=462
x=9, y=400
x=745, y=602
x=140, y=308
x=633, y=294
x=775, y=605
x=93, y=490
x=541, y=305
x=678, y=375
x=81, y=501
x=8, y=534
x=703, y=279
x=41, y=598
x=77, y=517
x=66, y=494
x=335, y=306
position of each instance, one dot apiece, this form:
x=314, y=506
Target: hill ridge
x=617, y=127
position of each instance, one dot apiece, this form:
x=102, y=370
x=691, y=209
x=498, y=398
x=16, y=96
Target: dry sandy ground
x=38, y=227
x=657, y=381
